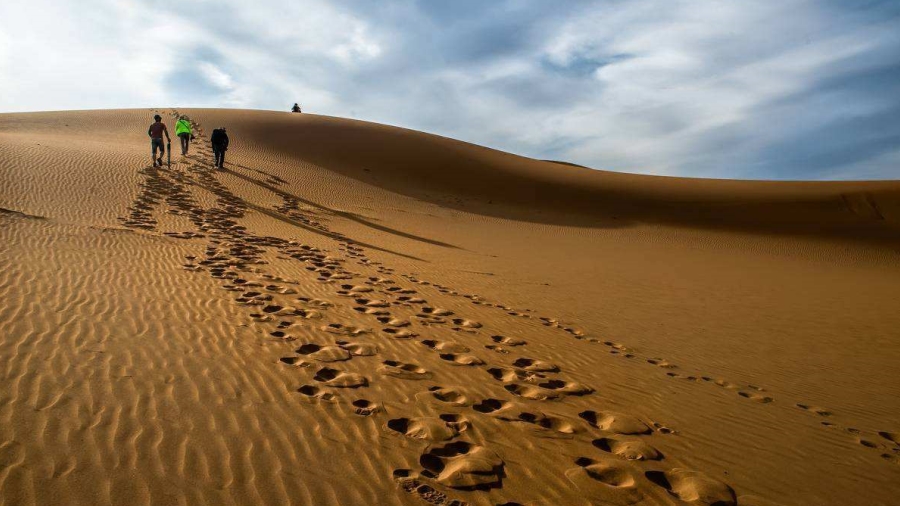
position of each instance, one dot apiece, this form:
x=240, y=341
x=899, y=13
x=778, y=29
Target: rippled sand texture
x=352, y=314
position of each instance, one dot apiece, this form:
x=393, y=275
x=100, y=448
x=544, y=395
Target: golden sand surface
x=357, y=314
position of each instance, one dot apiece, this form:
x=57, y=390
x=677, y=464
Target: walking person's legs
x=216, y=153
x=157, y=145
x=222, y=159
x=185, y=141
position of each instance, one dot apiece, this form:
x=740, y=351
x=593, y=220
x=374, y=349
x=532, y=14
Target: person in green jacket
x=183, y=131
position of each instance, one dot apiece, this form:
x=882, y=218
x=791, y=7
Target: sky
x=752, y=89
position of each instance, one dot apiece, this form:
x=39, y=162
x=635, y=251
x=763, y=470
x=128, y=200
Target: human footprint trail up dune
x=306, y=326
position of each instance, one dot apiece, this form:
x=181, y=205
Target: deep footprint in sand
x=534, y=365
x=508, y=341
x=324, y=353
x=339, y=379
x=566, y=387
x=402, y=370
x=463, y=465
x=434, y=429
x=756, y=396
x=617, y=423
x=400, y=333
x=491, y=406
x=409, y=482
x=541, y=424
x=814, y=409
x=445, y=346
x=464, y=325
x=509, y=375
x=344, y=330
x=358, y=349
x=449, y=396
x=461, y=359
x=393, y=322
x=431, y=311
x=628, y=448
x=315, y=393
x=364, y=407
x=694, y=487
x=612, y=482
x=531, y=392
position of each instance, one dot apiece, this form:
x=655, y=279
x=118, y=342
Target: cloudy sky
x=785, y=89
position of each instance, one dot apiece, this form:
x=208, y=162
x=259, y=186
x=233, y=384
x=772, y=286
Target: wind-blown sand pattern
x=352, y=313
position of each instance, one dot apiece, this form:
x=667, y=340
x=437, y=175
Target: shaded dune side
x=485, y=181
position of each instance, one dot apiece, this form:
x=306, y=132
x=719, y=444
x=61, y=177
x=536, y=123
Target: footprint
x=659, y=362
x=461, y=359
x=357, y=288
x=393, y=322
x=755, y=396
x=693, y=487
x=489, y=406
x=295, y=361
x=543, y=425
x=365, y=407
x=497, y=349
x=446, y=346
x=426, y=428
x=466, y=324
x=531, y=392
x=282, y=336
x=373, y=303
x=893, y=437
x=339, y=379
x=344, y=330
x=508, y=375
x=533, y=365
x=358, y=349
x=401, y=370
x=566, y=387
x=372, y=311
x=324, y=353
x=509, y=341
x=814, y=409
x=629, y=449
x=617, y=423
x=463, y=465
x=315, y=393
x=400, y=334
x=408, y=482
x=432, y=311
x=605, y=481
x=449, y=396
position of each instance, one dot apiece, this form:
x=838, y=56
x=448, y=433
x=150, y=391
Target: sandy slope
x=359, y=314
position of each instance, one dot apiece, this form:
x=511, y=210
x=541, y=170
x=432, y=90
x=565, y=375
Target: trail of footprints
x=235, y=256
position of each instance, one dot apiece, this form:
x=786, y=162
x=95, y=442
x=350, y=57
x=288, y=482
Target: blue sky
x=788, y=89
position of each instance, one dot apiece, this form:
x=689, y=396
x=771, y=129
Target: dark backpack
x=219, y=138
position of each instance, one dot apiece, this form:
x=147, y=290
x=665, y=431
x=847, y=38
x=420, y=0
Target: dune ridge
x=357, y=314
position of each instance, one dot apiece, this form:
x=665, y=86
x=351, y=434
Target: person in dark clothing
x=156, y=131
x=219, y=140
x=296, y=108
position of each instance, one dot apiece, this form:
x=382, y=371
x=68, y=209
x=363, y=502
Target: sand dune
x=353, y=313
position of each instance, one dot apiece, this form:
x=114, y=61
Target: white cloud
x=689, y=87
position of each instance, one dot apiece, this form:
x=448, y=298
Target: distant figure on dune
x=183, y=131
x=296, y=108
x=219, y=140
x=156, y=131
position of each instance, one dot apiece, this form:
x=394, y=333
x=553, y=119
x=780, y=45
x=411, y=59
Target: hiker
x=219, y=140
x=156, y=132
x=183, y=131
x=296, y=108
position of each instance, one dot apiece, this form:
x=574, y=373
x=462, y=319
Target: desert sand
x=358, y=314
